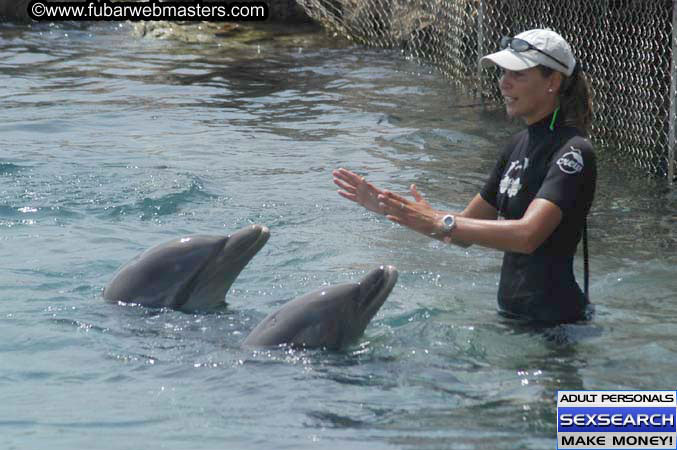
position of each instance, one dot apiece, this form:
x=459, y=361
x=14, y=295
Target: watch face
x=448, y=221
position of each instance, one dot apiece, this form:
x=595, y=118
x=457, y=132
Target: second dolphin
x=332, y=317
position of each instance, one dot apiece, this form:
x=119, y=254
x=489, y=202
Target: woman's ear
x=555, y=82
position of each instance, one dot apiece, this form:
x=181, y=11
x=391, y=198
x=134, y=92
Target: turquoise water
x=111, y=143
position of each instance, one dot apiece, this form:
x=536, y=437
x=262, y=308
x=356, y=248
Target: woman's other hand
x=417, y=215
x=357, y=189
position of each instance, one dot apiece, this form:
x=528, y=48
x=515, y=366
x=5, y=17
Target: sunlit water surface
x=111, y=143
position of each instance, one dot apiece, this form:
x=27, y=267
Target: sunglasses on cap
x=520, y=45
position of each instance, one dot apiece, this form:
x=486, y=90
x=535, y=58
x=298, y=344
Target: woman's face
x=528, y=94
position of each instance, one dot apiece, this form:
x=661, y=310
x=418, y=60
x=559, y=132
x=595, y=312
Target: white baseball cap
x=556, y=53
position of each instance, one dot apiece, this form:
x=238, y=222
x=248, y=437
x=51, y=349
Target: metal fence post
x=673, y=93
x=480, y=47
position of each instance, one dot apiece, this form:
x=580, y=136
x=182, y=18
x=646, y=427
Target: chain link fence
x=626, y=47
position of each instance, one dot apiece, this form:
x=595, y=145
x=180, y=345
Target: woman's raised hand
x=417, y=215
x=356, y=188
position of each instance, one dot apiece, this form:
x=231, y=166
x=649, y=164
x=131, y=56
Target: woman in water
x=535, y=202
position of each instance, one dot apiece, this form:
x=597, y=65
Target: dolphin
x=192, y=273
x=332, y=317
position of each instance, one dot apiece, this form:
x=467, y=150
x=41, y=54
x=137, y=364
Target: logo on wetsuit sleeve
x=511, y=181
x=571, y=162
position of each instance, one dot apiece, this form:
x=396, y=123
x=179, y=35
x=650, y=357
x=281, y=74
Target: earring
x=550, y=90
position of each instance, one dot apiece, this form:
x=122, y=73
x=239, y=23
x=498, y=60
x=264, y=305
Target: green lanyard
x=554, y=117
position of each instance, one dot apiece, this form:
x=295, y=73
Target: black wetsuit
x=558, y=165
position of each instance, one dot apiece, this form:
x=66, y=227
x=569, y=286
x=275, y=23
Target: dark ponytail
x=575, y=102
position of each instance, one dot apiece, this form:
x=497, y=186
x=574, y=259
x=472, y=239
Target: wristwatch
x=448, y=223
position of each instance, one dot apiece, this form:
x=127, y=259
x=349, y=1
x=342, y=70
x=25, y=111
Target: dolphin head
x=189, y=273
x=333, y=317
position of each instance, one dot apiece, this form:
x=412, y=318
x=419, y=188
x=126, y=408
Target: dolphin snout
x=247, y=240
x=377, y=284
x=262, y=229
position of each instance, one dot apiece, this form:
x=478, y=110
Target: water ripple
x=149, y=208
